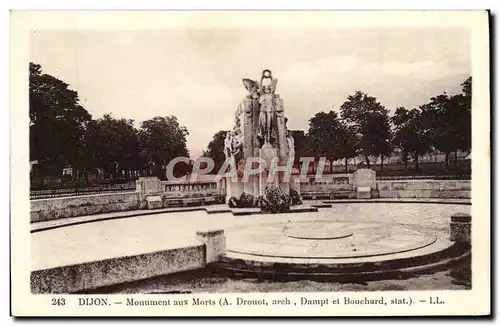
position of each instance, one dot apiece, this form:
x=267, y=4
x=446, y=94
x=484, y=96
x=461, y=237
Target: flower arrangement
x=274, y=200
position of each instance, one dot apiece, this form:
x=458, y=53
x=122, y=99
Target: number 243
x=58, y=301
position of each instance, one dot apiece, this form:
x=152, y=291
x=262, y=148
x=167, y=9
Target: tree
x=348, y=144
x=448, y=119
x=464, y=115
x=411, y=134
x=322, y=135
x=370, y=121
x=328, y=136
x=161, y=139
x=113, y=145
x=215, y=149
x=57, y=123
x=302, y=146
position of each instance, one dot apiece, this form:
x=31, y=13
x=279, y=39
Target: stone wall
x=337, y=182
x=55, y=208
x=345, y=184
x=151, y=193
x=340, y=186
x=209, y=248
x=424, y=189
x=90, y=275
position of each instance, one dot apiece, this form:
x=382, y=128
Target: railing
x=67, y=192
x=194, y=189
x=423, y=177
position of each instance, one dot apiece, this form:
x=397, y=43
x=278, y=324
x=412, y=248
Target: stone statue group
x=264, y=93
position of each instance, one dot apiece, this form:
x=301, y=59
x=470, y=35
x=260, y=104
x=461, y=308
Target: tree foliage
x=323, y=134
x=215, y=149
x=331, y=138
x=161, y=139
x=302, y=147
x=113, y=144
x=369, y=119
x=57, y=122
x=411, y=134
x=448, y=119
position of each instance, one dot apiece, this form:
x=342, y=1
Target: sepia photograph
x=246, y=158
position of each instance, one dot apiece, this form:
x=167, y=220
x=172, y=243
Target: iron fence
x=68, y=192
x=424, y=177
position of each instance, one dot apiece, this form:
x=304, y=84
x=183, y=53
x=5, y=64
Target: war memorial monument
x=350, y=228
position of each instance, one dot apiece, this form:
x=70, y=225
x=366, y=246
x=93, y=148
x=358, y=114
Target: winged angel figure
x=264, y=92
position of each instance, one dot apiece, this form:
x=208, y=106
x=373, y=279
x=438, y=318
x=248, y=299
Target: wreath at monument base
x=274, y=200
x=245, y=201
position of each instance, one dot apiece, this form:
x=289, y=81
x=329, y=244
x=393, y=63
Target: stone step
x=364, y=270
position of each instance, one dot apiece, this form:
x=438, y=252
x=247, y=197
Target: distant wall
x=424, y=189
x=55, y=208
x=171, y=194
x=338, y=182
x=181, y=194
x=342, y=186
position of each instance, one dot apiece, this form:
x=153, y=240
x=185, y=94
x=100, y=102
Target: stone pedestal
x=365, y=178
x=363, y=193
x=215, y=244
x=154, y=202
x=460, y=228
x=148, y=186
x=268, y=153
x=364, y=181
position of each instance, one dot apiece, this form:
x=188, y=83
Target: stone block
x=460, y=228
x=35, y=216
x=215, y=244
x=149, y=186
x=406, y=194
x=400, y=186
x=154, y=202
x=363, y=193
x=364, y=178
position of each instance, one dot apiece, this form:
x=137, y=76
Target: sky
x=196, y=74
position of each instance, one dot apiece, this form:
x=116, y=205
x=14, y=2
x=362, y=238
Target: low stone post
x=460, y=228
x=215, y=244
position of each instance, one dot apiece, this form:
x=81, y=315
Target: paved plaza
x=140, y=234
